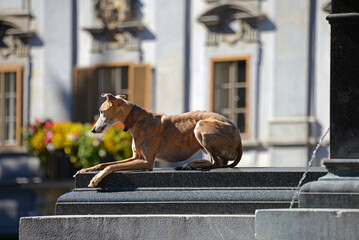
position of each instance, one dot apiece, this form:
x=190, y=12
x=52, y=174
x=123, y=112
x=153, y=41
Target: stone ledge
x=306, y=223
x=224, y=177
x=147, y=227
x=169, y=207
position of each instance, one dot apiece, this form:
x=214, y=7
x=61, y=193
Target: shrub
x=76, y=140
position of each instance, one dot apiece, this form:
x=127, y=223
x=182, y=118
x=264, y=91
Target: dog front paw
x=79, y=171
x=94, y=182
x=84, y=170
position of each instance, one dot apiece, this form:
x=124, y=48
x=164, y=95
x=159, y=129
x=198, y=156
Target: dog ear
x=107, y=95
x=121, y=96
x=110, y=98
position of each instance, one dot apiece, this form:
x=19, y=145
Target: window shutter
x=85, y=95
x=141, y=85
x=15, y=114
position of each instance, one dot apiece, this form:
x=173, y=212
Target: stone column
x=340, y=187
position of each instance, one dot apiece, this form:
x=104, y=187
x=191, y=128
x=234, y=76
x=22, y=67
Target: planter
x=58, y=166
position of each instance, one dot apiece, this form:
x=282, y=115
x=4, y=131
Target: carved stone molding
x=327, y=7
x=119, y=26
x=16, y=30
x=230, y=22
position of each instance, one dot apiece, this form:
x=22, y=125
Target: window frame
x=18, y=69
x=246, y=58
x=131, y=80
x=120, y=64
x=133, y=69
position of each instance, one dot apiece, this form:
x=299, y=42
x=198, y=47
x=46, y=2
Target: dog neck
x=132, y=117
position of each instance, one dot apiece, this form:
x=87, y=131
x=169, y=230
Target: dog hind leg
x=219, y=140
x=195, y=164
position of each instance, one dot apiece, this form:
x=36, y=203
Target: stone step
x=146, y=227
x=218, y=191
x=307, y=223
x=121, y=208
x=222, y=177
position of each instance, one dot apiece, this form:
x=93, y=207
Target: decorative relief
x=120, y=25
x=16, y=30
x=327, y=7
x=112, y=12
x=230, y=22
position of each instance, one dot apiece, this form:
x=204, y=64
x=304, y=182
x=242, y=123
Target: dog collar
x=132, y=117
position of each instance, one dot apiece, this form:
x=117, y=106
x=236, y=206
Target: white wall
x=199, y=91
x=85, y=16
x=170, y=56
x=51, y=74
x=322, y=66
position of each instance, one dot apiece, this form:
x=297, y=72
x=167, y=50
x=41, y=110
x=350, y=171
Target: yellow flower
x=108, y=142
x=73, y=159
x=58, y=140
x=117, y=142
x=37, y=142
x=67, y=150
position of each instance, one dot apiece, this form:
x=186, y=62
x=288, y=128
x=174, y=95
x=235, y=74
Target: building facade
x=262, y=63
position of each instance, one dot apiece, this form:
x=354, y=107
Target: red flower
x=48, y=124
x=77, y=135
x=47, y=140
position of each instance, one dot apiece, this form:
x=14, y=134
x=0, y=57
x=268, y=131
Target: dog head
x=111, y=111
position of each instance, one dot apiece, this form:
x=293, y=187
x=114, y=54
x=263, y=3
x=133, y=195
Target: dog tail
x=239, y=156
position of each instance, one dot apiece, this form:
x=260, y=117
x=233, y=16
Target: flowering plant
x=76, y=140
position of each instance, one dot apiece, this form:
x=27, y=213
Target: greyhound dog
x=170, y=138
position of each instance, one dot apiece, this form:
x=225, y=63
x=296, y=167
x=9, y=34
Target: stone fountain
x=329, y=207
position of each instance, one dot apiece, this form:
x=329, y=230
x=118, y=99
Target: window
x=132, y=80
x=10, y=105
x=112, y=80
x=230, y=90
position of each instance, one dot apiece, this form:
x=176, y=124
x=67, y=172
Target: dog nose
x=93, y=130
